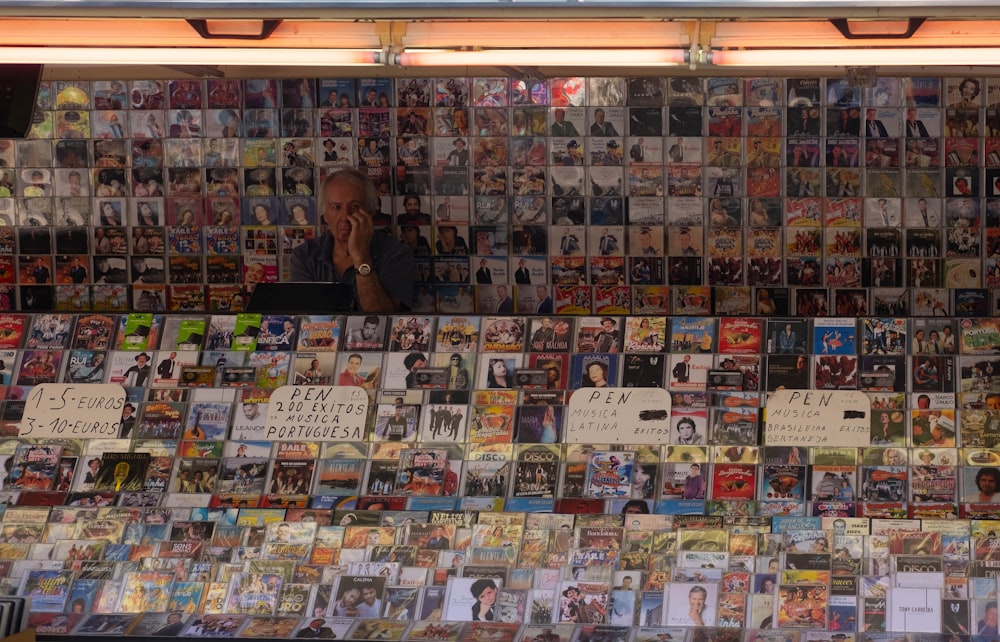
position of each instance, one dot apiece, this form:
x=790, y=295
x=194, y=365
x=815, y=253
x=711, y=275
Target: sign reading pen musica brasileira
x=618, y=416
x=836, y=418
x=316, y=413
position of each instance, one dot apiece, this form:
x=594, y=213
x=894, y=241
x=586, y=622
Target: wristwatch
x=364, y=269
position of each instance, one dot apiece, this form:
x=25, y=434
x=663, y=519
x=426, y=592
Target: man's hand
x=360, y=241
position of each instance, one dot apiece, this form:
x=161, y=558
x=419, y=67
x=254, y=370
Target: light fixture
x=543, y=57
x=844, y=57
x=188, y=56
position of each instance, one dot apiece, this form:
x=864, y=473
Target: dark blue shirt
x=392, y=263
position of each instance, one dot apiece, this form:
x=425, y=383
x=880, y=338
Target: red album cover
x=734, y=481
x=740, y=335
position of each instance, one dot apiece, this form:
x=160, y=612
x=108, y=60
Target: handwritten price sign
x=73, y=410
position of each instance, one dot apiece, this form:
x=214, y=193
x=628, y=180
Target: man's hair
x=990, y=472
x=698, y=589
x=357, y=178
x=355, y=355
x=370, y=319
x=687, y=420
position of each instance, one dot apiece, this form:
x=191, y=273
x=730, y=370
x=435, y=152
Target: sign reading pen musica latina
x=838, y=418
x=618, y=416
x=316, y=413
x=54, y=410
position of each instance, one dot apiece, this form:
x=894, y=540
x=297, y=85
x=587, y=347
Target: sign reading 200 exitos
x=317, y=413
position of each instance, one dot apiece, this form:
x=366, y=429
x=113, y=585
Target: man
x=438, y=541
x=543, y=335
x=873, y=126
x=988, y=482
x=458, y=157
x=637, y=152
x=687, y=432
x=413, y=362
x=682, y=370
x=676, y=152
x=380, y=268
x=395, y=426
x=173, y=626
x=914, y=127
x=698, y=614
x=166, y=367
x=350, y=376
x=370, y=605
x=317, y=629
x=77, y=273
x=607, y=339
x=412, y=214
x=608, y=243
x=40, y=273
x=505, y=304
x=367, y=336
x=560, y=127
x=988, y=624
x=522, y=275
x=127, y=422
x=283, y=533
x=601, y=128
x=483, y=274
x=646, y=243
x=136, y=375
x=544, y=300
x=925, y=216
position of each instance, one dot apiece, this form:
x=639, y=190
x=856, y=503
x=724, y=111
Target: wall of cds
x=736, y=195
x=460, y=513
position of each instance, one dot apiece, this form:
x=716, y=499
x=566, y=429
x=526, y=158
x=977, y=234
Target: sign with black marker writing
x=618, y=416
x=82, y=411
x=836, y=418
x=316, y=413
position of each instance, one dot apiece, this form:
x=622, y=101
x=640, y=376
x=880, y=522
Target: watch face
x=364, y=269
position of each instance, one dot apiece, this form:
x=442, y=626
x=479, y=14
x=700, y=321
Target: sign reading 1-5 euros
x=73, y=410
x=317, y=413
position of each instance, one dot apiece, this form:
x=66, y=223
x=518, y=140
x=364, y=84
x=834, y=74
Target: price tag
x=73, y=410
x=316, y=413
x=618, y=416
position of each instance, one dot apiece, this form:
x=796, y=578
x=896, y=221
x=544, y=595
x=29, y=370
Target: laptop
x=301, y=298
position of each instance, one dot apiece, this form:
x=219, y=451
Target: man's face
x=340, y=199
x=608, y=326
x=686, y=429
x=501, y=291
x=542, y=293
x=284, y=532
x=987, y=484
x=250, y=410
x=696, y=600
x=353, y=365
x=991, y=616
x=368, y=330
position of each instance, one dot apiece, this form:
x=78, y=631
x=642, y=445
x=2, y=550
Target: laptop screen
x=301, y=298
